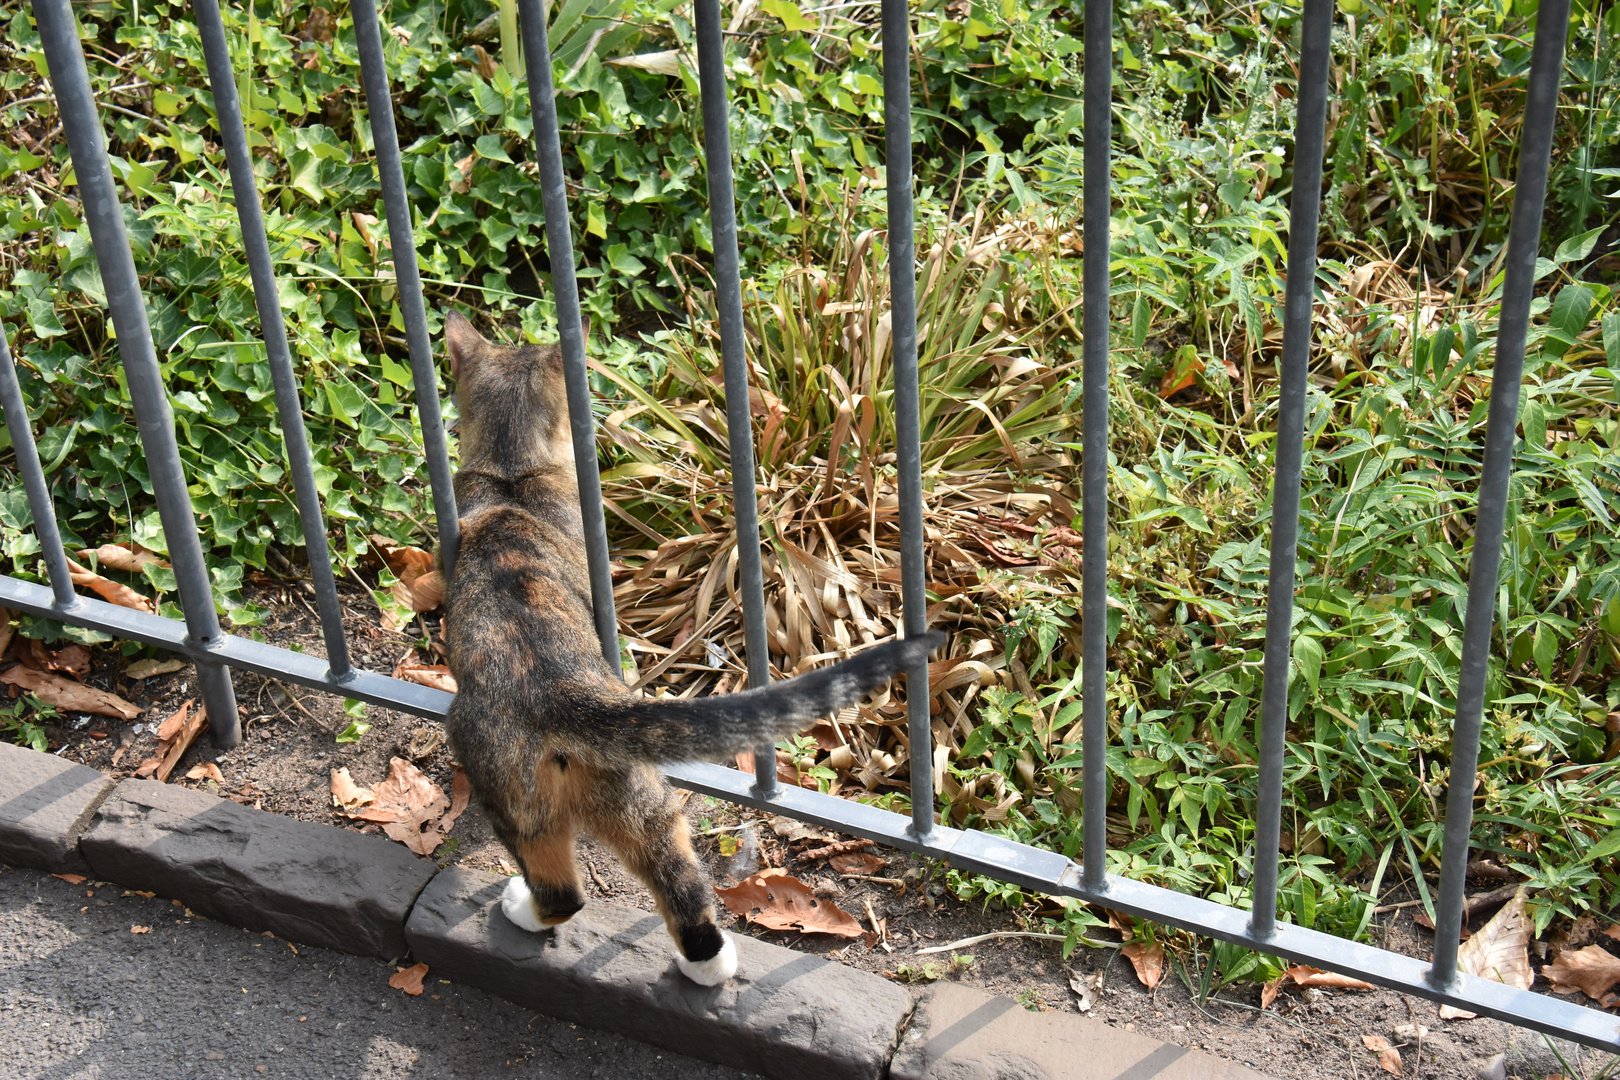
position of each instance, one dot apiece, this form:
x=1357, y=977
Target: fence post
x=570, y=328
x=82, y=125
x=1304, y=212
x=1524, y=237
x=1097, y=172
x=734, y=359
x=228, y=110
x=402, y=243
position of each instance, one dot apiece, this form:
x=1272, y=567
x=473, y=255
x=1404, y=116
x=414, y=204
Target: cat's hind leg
x=549, y=891
x=647, y=829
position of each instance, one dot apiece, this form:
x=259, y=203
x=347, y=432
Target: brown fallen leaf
x=1612, y=931
x=778, y=901
x=72, y=879
x=460, y=796
x=175, y=736
x=435, y=675
x=145, y=669
x=206, y=771
x=1303, y=976
x=1389, y=1058
x=346, y=793
x=140, y=929
x=408, y=806
x=420, y=593
x=68, y=695
x=1593, y=971
x=860, y=862
x=109, y=590
x=409, y=979
x=1148, y=960
x=128, y=557
x=71, y=660
x=420, y=586
x=1497, y=951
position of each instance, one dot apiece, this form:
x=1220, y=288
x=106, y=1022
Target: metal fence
x=214, y=652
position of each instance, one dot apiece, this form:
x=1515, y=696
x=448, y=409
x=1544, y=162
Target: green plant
x=23, y=723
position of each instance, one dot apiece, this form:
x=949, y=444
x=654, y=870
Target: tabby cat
x=554, y=743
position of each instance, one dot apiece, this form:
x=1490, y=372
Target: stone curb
x=786, y=1015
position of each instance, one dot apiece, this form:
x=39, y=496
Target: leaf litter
x=776, y=900
x=409, y=979
x=175, y=736
x=1593, y=971
x=68, y=695
x=410, y=807
x=1499, y=951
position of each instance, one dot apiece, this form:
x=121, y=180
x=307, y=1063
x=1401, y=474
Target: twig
x=840, y=847
x=880, y=929
x=965, y=942
x=880, y=880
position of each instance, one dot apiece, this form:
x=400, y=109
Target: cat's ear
x=461, y=341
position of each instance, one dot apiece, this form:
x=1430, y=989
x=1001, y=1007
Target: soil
x=288, y=753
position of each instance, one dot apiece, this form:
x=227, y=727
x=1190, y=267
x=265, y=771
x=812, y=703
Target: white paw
x=716, y=969
x=517, y=904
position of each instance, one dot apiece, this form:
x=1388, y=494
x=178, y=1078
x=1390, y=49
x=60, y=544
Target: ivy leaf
x=786, y=10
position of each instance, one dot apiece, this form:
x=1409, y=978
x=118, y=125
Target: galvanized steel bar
x=1097, y=167
x=907, y=413
x=86, y=142
x=256, y=248
x=34, y=482
x=1304, y=211
x=1524, y=237
x=402, y=242
x=734, y=358
x=570, y=328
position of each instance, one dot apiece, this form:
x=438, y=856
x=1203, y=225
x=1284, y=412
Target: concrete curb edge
x=786, y=1015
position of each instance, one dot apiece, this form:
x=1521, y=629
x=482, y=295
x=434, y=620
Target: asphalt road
x=82, y=996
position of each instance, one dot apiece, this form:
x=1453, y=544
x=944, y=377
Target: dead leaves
x=128, y=557
x=1593, y=971
x=435, y=675
x=1389, y=1058
x=1303, y=977
x=778, y=901
x=69, y=696
x=110, y=590
x=206, y=771
x=145, y=669
x=420, y=586
x=175, y=735
x=410, y=808
x=409, y=979
x=1497, y=951
x=1147, y=957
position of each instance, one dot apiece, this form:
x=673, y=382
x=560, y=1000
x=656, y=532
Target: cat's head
x=512, y=401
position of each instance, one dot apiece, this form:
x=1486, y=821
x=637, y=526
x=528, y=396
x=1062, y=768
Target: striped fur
x=553, y=741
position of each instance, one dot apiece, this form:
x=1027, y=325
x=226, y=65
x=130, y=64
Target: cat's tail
x=709, y=727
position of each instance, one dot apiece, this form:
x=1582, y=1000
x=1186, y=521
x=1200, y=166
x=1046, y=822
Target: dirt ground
x=288, y=752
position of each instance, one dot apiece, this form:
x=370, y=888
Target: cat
x=552, y=740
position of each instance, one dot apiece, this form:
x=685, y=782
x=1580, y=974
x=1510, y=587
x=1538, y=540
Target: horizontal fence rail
x=200, y=638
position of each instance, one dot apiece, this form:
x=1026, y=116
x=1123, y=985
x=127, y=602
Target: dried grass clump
x=998, y=496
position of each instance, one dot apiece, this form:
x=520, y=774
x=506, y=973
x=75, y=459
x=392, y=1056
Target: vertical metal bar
x=222, y=82
x=1304, y=211
x=1524, y=237
x=733, y=355
x=907, y=412
x=401, y=240
x=34, y=482
x=82, y=126
x=1097, y=168
x=570, y=327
